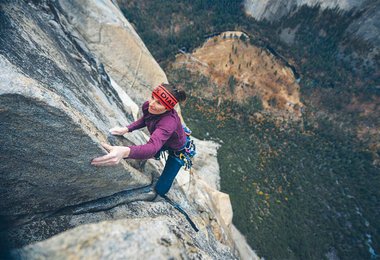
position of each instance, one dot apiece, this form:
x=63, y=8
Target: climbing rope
x=178, y=207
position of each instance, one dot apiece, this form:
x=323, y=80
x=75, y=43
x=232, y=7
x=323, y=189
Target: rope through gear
x=178, y=207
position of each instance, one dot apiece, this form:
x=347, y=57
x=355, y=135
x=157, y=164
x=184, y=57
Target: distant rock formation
x=272, y=10
x=352, y=26
x=368, y=26
x=365, y=27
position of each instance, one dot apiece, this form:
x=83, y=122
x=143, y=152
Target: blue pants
x=172, y=166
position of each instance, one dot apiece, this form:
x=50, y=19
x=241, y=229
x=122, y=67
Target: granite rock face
x=54, y=112
x=56, y=106
x=272, y=10
x=158, y=232
x=363, y=27
x=367, y=27
x=57, y=102
x=47, y=159
x=114, y=41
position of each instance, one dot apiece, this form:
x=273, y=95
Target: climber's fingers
x=107, y=146
x=118, y=130
x=102, y=159
x=115, y=155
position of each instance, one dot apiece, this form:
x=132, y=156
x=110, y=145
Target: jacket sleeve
x=140, y=123
x=158, y=138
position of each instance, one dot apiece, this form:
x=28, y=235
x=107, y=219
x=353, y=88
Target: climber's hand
x=118, y=130
x=115, y=155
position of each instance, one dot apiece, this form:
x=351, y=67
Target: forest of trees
x=296, y=191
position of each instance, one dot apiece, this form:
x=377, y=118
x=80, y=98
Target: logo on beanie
x=166, y=98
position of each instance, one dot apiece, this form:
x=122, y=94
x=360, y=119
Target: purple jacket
x=166, y=131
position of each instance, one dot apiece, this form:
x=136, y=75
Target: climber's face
x=155, y=106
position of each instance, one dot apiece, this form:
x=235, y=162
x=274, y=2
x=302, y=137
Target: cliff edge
x=60, y=92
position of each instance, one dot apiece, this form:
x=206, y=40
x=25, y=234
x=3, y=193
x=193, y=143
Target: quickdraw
x=186, y=154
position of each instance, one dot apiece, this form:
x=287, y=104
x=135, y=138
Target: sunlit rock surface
x=114, y=41
x=368, y=27
x=274, y=10
x=365, y=24
x=158, y=233
x=54, y=113
x=56, y=106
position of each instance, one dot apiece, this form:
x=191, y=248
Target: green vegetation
x=155, y=22
x=231, y=83
x=294, y=195
x=297, y=193
x=321, y=52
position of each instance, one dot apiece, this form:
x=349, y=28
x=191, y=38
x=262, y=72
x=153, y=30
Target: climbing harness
x=178, y=207
x=188, y=152
x=185, y=155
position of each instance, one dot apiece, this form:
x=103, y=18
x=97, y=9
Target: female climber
x=167, y=133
